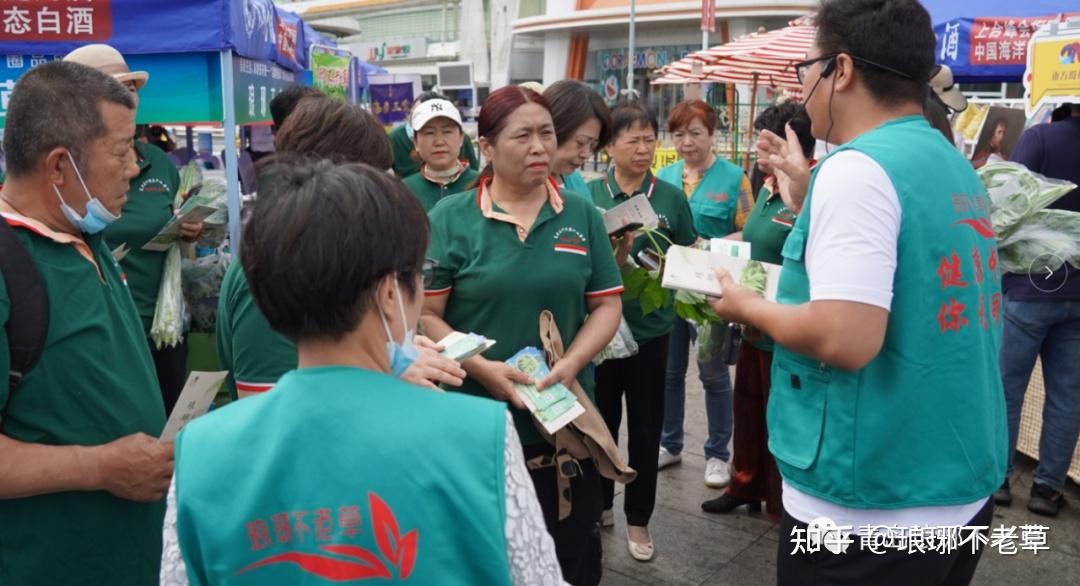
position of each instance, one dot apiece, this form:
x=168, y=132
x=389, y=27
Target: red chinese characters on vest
x=951, y=267
x=316, y=530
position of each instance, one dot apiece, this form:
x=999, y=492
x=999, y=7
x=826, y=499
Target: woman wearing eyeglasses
x=507, y=251
x=582, y=126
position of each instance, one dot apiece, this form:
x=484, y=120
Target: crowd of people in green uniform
x=353, y=449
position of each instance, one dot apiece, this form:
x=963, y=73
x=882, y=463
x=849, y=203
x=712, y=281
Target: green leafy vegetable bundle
x=1025, y=229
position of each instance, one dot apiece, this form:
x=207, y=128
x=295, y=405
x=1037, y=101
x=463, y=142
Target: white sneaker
x=666, y=459
x=717, y=474
x=607, y=518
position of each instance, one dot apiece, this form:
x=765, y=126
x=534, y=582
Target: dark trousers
x=753, y=470
x=171, y=366
x=640, y=379
x=577, y=538
x=862, y=566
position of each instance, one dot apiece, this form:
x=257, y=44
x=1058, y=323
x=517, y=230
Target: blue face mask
x=97, y=215
x=404, y=354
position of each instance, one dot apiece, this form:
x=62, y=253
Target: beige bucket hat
x=108, y=60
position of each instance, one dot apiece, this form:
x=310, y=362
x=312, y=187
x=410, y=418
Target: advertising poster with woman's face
x=999, y=134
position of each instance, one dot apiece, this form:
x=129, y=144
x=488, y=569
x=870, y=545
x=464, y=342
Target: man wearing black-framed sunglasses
x=886, y=406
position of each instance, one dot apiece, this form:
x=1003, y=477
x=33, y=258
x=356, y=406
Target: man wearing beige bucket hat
x=149, y=206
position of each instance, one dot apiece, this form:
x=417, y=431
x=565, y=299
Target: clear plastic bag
x=623, y=345
x=202, y=279
x=168, y=325
x=1025, y=230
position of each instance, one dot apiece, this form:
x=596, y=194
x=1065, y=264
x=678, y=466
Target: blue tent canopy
x=256, y=29
x=987, y=42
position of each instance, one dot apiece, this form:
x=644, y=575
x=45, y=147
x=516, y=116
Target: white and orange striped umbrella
x=771, y=55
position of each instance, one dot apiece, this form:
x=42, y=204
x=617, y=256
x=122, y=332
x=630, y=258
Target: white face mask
x=97, y=215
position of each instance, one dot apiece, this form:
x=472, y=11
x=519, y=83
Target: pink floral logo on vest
x=339, y=562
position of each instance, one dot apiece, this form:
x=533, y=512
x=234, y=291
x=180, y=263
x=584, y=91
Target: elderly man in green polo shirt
x=81, y=478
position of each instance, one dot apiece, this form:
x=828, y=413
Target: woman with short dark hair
x=640, y=377
x=508, y=251
x=720, y=200
x=256, y=355
x=582, y=127
x=343, y=439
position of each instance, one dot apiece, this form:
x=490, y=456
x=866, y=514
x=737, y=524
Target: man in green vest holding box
x=886, y=406
x=82, y=473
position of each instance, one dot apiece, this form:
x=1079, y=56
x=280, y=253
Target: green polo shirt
x=404, y=165
x=499, y=283
x=676, y=222
x=429, y=193
x=148, y=208
x=254, y=354
x=766, y=230
x=93, y=384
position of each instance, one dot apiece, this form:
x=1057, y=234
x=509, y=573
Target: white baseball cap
x=427, y=111
x=942, y=83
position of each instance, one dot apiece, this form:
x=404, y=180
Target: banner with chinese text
x=391, y=102
x=255, y=83
x=330, y=73
x=986, y=48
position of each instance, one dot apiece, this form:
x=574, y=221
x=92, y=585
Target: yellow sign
x=1053, y=71
x=664, y=157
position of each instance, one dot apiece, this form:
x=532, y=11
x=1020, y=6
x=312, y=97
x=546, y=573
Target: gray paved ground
x=740, y=549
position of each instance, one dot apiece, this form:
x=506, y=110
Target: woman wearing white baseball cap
x=149, y=207
x=438, y=138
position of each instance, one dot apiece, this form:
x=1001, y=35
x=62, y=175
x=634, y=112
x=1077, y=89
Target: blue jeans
x=1050, y=330
x=716, y=379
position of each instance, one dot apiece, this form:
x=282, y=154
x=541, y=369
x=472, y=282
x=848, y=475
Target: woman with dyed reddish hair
x=720, y=200
x=506, y=251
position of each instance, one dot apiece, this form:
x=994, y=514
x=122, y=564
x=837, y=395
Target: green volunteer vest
x=714, y=200
x=924, y=423
x=344, y=474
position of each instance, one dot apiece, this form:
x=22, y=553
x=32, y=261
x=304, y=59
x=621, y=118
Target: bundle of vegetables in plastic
x=1025, y=229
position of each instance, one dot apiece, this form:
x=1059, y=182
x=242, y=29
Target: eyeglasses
x=803, y=67
x=428, y=271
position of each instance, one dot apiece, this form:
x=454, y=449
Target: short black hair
x=630, y=112
x=58, y=104
x=322, y=237
x=574, y=103
x=897, y=34
x=284, y=103
x=775, y=117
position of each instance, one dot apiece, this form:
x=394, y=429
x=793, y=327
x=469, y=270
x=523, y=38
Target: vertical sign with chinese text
x=255, y=84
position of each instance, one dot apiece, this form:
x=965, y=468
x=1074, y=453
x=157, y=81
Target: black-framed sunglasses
x=803, y=67
x=428, y=271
